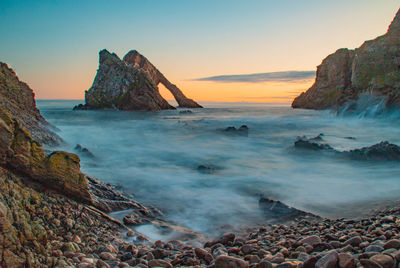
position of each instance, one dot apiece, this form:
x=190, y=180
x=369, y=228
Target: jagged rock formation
x=140, y=62
x=383, y=151
x=373, y=68
x=19, y=100
x=130, y=84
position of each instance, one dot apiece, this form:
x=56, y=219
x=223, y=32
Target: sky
x=54, y=45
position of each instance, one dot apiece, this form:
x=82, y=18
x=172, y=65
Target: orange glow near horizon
x=273, y=92
x=276, y=92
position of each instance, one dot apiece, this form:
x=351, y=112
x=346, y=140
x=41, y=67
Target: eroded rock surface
x=19, y=100
x=130, y=84
x=140, y=62
x=23, y=155
x=373, y=68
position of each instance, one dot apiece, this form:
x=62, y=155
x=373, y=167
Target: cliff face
x=373, y=68
x=19, y=100
x=130, y=84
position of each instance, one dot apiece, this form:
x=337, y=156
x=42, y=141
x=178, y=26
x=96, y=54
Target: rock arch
x=140, y=62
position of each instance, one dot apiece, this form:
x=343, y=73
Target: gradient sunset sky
x=54, y=45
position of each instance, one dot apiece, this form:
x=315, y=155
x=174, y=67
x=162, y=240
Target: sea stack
x=130, y=84
x=373, y=68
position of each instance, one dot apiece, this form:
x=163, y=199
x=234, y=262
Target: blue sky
x=53, y=45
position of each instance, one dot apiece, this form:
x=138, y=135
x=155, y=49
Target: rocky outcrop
x=130, y=84
x=17, y=98
x=59, y=171
x=373, y=68
x=383, y=151
x=134, y=58
x=23, y=155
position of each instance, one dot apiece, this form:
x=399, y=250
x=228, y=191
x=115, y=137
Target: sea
x=203, y=177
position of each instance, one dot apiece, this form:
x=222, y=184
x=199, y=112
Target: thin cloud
x=287, y=76
x=267, y=97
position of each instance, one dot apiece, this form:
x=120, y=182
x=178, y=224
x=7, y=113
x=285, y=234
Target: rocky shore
x=75, y=236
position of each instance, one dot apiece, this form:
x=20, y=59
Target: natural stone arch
x=140, y=62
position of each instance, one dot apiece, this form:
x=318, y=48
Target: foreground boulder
x=19, y=100
x=130, y=84
x=23, y=155
x=373, y=68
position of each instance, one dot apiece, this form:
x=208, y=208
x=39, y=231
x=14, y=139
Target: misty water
x=155, y=156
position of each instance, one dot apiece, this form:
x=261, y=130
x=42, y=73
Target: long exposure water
x=156, y=155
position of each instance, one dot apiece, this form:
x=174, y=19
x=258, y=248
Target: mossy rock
x=60, y=170
x=64, y=170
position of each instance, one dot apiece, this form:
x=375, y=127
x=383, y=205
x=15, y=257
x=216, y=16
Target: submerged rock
x=312, y=144
x=205, y=169
x=276, y=210
x=380, y=151
x=383, y=151
x=241, y=130
x=185, y=112
x=373, y=68
x=84, y=151
x=130, y=84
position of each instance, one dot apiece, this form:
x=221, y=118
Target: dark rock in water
x=345, y=75
x=312, y=144
x=276, y=210
x=185, y=112
x=81, y=107
x=130, y=84
x=381, y=151
x=350, y=138
x=84, y=151
x=318, y=138
x=230, y=129
x=242, y=130
x=205, y=169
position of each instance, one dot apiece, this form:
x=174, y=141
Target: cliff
x=130, y=84
x=19, y=99
x=373, y=68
